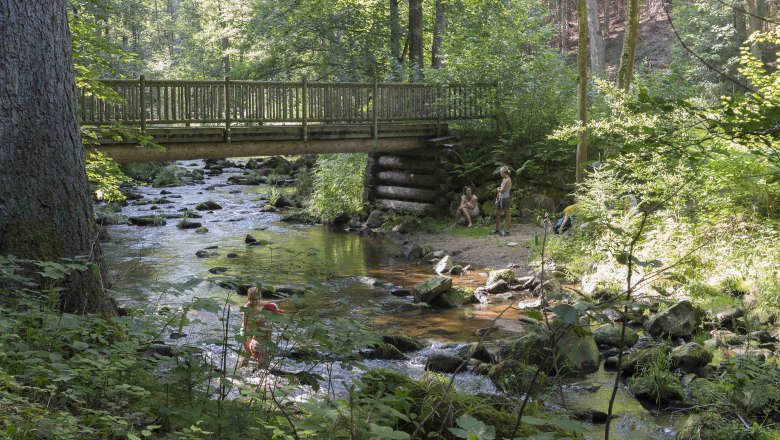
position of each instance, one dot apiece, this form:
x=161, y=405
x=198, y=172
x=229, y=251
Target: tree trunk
x=395, y=31
x=756, y=8
x=582, y=91
x=607, y=16
x=439, y=24
x=564, y=17
x=45, y=204
x=416, y=33
x=630, y=37
x=597, y=43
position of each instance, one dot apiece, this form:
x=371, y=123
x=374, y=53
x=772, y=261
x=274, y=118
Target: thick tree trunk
x=582, y=91
x=395, y=31
x=756, y=9
x=627, y=59
x=45, y=205
x=416, y=33
x=607, y=16
x=439, y=24
x=597, y=43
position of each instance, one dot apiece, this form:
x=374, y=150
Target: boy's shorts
x=502, y=204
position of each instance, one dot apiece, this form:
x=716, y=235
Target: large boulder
x=501, y=274
x=384, y=351
x=429, y=290
x=728, y=317
x=475, y=351
x=678, y=321
x=690, y=357
x=609, y=335
x=444, y=265
x=443, y=363
x=455, y=297
x=633, y=361
x=499, y=286
x=208, y=206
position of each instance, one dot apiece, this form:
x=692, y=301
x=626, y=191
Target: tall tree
x=582, y=91
x=597, y=42
x=628, y=58
x=395, y=31
x=45, y=206
x=416, y=33
x=440, y=22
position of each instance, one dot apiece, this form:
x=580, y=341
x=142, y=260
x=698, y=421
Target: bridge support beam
x=124, y=153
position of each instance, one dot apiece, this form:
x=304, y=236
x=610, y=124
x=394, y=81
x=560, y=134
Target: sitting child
x=468, y=206
x=256, y=329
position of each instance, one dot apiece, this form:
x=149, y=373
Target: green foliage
x=654, y=377
x=338, y=186
x=105, y=177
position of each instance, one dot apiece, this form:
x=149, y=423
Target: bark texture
x=439, y=23
x=582, y=91
x=416, y=33
x=395, y=31
x=45, y=206
x=628, y=58
x=597, y=42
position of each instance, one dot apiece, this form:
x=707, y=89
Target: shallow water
x=339, y=267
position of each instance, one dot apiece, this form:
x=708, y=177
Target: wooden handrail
x=150, y=103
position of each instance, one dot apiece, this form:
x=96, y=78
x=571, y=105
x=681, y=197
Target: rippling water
x=339, y=267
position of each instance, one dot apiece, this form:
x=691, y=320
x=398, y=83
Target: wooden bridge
x=229, y=118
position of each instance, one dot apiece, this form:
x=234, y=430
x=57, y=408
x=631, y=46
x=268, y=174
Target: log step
x=409, y=163
x=400, y=192
x=401, y=205
x=407, y=178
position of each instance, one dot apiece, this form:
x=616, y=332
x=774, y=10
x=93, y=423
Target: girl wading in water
x=257, y=329
x=468, y=206
x=502, y=202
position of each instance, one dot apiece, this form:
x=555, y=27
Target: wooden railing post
x=142, y=102
x=374, y=111
x=305, y=112
x=227, y=109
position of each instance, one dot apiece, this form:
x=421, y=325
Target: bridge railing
x=233, y=102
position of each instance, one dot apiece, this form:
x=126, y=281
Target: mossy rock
x=530, y=349
x=203, y=230
x=432, y=288
x=384, y=351
x=514, y=377
x=443, y=363
x=186, y=224
x=403, y=343
x=690, y=357
x=712, y=426
x=147, y=221
x=501, y=274
x=474, y=351
x=652, y=390
x=208, y=206
x=385, y=380
x=455, y=297
x=609, y=335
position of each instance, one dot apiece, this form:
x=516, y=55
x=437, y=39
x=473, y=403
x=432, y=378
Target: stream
x=352, y=277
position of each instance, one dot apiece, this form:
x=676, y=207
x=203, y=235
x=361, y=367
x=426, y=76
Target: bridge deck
x=216, y=114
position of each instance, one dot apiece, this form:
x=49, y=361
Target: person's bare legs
x=498, y=220
x=458, y=213
x=508, y=220
x=467, y=214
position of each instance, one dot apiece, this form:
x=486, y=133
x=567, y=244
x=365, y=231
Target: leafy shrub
x=338, y=185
